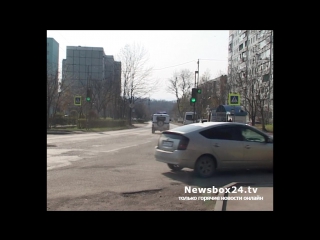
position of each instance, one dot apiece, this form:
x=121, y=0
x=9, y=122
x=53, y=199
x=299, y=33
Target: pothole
x=150, y=191
x=175, y=183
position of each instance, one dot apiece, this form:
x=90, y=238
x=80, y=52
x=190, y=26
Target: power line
x=174, y=65
x=190, y=62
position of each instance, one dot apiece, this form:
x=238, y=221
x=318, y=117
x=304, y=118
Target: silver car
x=210, y=146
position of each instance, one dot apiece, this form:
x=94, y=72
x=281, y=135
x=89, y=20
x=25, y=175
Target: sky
x=168, y=51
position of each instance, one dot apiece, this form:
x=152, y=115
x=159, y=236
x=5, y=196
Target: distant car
x=210, y=146
x=160, y=122
x=189, y=118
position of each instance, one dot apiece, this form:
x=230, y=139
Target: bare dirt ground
x=154, y=200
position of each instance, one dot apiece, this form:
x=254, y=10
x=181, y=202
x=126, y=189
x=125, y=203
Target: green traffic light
x=193, y=100
x=199, y=91
x=88, y=99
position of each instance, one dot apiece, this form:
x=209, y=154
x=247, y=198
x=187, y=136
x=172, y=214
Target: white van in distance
x=188, y=118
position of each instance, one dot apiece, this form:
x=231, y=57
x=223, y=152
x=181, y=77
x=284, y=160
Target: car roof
x=199, y=126
x=160, y=114
x=194, y=127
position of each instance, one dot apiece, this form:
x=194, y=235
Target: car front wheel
x=205, y=167
x=174, y=167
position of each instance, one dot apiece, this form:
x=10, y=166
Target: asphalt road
x=117, y=171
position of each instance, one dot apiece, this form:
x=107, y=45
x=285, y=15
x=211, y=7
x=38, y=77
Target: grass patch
x=72, y=129
x=105, y=129
x=269, y=127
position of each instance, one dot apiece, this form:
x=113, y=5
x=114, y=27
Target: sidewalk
x=254, y=197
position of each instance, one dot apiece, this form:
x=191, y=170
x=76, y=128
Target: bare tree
x=53, y=94
x=137, y=81
x=214, y=92
x=180, y=85
x=102, y=96
x=70, y=89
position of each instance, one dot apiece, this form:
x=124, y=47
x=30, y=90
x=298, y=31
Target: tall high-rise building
x=52, y=57
x=250, y=67
x=89, y=67
x=82, y=65
x=52, y=69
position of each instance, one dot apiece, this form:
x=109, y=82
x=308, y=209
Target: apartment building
x=90, y=68
x=250, y=67
x=214, y=92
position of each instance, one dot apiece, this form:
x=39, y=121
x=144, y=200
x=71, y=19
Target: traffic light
x=194, y=95
x=88, y=98
x=198, y=90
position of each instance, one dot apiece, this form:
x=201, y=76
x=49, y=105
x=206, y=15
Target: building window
x=240, y=47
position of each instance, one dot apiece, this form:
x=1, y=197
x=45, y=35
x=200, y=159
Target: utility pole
x=198, y=74
x=196, y=86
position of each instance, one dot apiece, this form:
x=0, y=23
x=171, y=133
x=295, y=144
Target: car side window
x=251, y=136
x=222, y=133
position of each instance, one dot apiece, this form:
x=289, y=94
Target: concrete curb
x=221, y=205
x=63, y=132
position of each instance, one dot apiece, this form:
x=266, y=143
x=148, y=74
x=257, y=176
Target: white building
x=250, y=67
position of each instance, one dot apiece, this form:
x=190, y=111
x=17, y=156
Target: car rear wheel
x=205, y=167
x=174, y=167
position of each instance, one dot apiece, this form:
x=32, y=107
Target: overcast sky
x=169, y=51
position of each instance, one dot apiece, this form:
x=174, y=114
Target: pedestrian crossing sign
x=77, y=100
x=234, y=99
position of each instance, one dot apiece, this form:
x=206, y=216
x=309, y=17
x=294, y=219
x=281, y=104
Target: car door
x=257, y=151
x=226, y=145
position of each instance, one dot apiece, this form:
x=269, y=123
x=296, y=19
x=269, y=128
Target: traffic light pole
x=194, y=104
x=194, y=111
x=196, y=87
